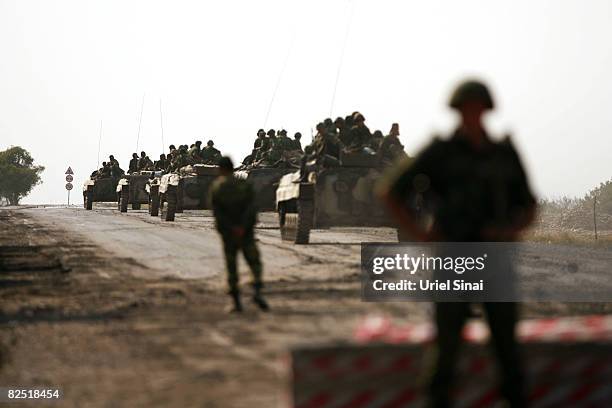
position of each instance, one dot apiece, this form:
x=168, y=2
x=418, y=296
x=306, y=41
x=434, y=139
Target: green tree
x=18, y=174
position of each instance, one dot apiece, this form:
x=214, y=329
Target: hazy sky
x=66, y=65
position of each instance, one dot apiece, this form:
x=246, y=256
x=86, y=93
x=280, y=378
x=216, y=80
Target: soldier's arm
x=399, y=189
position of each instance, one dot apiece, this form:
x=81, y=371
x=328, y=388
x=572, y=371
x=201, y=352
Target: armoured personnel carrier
x=264, y=181
x=186, y=190
x=194, y=185
x=99, y=190
x=324, y=197
x=132, y=189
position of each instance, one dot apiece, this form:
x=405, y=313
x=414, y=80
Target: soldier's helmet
x=143, y=154
x=271, y=132
x=134, y=155
x=111, y=157
x=358, y=117
x=469, y=91
x=172, y=147
x=297, y=136
x=377, y=134
x=210, y=143
x=198, y=143
x=225, y=163
x=283, y=132
x=261, y=132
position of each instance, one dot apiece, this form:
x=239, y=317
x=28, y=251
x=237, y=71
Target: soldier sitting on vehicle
x=115, y=171
x=360, y=137
x=391, y=148
x=297, y=143
x=144, y=163
x=326, y=146
x=210, y=155
x=162, y=163
x=285, y=144
x=133, y=167
x=180, y=159
x=112, y=160
x=104, y=171
x=377, y=139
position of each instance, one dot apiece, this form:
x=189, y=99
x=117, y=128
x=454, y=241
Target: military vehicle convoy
x=99, y=190
x=132, y=189
x=325, y=197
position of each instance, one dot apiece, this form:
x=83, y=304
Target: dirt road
x=124, y=310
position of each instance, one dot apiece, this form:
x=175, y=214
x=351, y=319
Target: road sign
x=69, y=171
x=68, y=186
x=69, y=178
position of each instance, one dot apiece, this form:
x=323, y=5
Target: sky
x=221, y=70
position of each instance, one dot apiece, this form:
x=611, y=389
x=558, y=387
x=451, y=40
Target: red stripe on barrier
x=361, y=400
x=582, y=392
x=487, y=399
x=363, y=363
x=401, y=363
x=318, y=401
x=404, y=398
x=539, y=392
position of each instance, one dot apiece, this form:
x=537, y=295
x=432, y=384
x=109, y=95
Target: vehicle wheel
x=169, y=210
x=295, y=227
x=179, y=197
x=89, y=200
x=304, y=221
x=124, y=198
x=282, y=216
x=154, y=201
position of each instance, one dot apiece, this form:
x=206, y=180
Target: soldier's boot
x=236, y=305
x=259, y=300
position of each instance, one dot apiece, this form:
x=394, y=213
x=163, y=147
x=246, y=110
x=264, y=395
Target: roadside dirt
x=112, y=332
x=123, y=310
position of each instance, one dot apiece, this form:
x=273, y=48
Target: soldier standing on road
x=235, y=215
x=476, y=191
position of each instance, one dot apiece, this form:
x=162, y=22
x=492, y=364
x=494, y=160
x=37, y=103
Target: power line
x=346, y=36
x=140, y=122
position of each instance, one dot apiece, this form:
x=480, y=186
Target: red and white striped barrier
x=584, y=328
x=568, y=363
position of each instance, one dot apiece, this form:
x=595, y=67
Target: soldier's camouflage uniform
x=233, y=206
x=466, y=190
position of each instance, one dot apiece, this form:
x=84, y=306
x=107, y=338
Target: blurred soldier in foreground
x=476, y=191
x=235, y=215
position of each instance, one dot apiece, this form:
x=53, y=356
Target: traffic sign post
x=69, y=180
